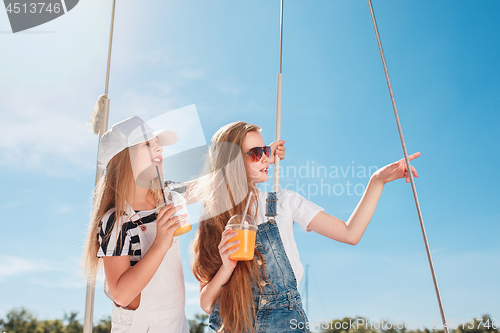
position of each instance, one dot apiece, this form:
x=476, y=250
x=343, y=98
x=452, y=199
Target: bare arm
x=124, y=282
x=350, y=232
x=210, y=291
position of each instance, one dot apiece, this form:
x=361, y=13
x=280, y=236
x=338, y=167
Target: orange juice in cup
x=183, y=229
x=247, y=230
x=178, y=200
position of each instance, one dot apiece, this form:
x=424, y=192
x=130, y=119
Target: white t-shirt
x=291, y=207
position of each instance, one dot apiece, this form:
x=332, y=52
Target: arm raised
x=350, y=232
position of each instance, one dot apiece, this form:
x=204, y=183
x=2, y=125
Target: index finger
x=168, y=212
x=162, y=211
x=277, y=143
x=226, y=231
x=414, y=156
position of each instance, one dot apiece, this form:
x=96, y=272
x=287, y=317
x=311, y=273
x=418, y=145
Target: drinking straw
x=246, y=208
x=157, y=170
x=161, y=185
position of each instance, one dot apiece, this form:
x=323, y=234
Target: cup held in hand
x=247, y=230
x=177, y=200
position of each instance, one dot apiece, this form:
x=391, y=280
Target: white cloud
x=15, y=266
x=193, y=74
x=11, y=205
x=39, y=133
x=63, y=209
x=145, y=101
x=62, y=282
x=230, y=87
x=42, y=272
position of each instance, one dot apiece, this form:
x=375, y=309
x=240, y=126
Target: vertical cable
x=281, y=32
x=109, y=48
x=88, y=321
x=278, y=109
x=417, y=204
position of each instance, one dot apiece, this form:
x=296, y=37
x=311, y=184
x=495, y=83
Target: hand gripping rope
x=434, y=279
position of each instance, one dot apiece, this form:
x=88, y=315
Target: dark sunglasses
x=257, y=152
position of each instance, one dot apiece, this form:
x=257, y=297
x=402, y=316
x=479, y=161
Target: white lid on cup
x=236, y=222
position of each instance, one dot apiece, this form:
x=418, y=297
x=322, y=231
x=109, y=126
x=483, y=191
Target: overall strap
x=271, y=202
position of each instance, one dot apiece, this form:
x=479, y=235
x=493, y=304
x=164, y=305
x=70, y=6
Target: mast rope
x=278, y=110
x=98, y=125
x=414, y=190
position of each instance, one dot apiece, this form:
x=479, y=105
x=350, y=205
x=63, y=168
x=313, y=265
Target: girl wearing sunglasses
x=261, y=295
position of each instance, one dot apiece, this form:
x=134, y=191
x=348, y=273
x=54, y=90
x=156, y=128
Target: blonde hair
x=226, y=183
x=111, y=191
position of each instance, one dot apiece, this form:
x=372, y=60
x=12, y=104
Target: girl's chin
x=261, y=179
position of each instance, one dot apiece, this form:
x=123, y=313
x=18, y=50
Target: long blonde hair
x=227, y=183
x=111, y=191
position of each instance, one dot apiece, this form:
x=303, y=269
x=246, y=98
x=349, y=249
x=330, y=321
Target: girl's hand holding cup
x=166, y=225
x=179, y=201
x=225, y=249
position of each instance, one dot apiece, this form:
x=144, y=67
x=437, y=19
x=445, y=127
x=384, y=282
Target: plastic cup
x=247, y=230
x=177, y=200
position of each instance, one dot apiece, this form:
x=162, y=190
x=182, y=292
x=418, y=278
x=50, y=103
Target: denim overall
x=278, y=305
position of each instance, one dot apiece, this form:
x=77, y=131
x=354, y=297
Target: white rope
x=99, y=125
x=278, y=110
x=109, y=48
x=417, y=204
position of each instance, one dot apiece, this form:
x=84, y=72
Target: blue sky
x=223, y=56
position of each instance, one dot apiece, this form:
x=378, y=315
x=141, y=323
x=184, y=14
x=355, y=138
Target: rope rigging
x=99, y=125
x=414, y=189
x=278, y=109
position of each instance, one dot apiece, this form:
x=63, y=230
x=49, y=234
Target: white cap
x=128, y=133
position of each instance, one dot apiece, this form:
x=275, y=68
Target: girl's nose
x=264, y=158
x=157, y=148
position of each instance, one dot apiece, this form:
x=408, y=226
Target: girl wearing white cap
x=141, y=257
x=261, y=295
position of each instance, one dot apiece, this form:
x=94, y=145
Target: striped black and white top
x=124, y=241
